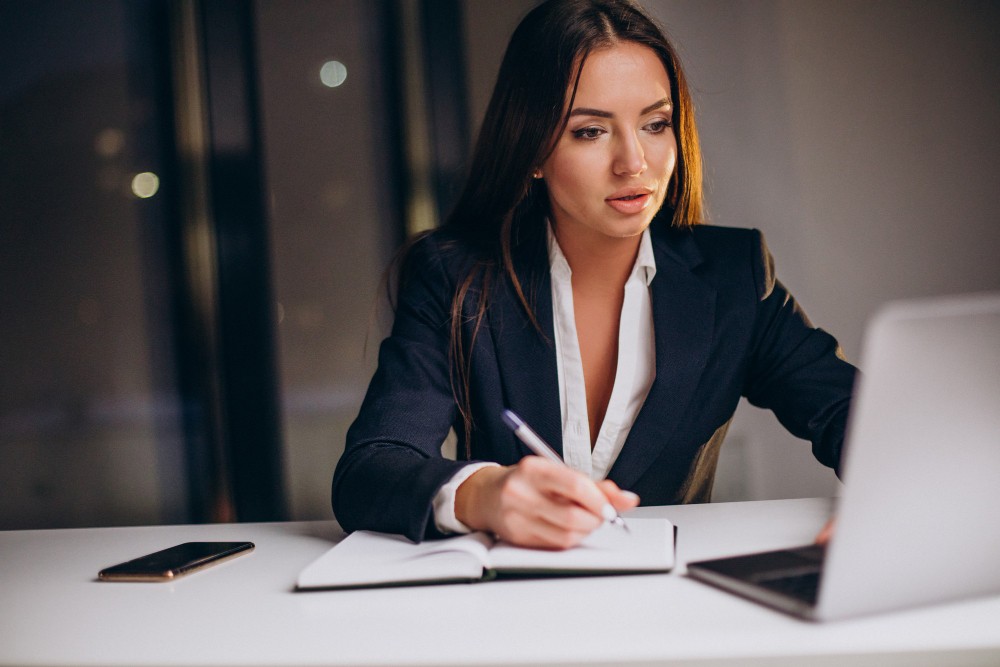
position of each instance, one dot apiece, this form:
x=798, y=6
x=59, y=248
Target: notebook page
x=648, y=547
x=367, y=558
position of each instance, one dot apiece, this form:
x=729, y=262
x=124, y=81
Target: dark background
x=197, y=355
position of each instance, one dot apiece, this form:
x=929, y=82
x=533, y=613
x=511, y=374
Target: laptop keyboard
x=804, y=587
x=791, y=573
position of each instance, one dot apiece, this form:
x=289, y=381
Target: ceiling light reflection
x=109, y=142
x=145, y=185
x=332, y=73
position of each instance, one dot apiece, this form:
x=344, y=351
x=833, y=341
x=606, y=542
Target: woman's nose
x=630, y=158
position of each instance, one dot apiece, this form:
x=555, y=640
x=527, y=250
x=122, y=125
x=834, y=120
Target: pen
x=535, y=443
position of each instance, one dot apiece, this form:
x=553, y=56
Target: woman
x=574, y=285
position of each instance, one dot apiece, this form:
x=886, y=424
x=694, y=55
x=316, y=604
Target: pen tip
x=612, y=516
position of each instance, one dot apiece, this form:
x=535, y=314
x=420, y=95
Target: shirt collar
x=558, y=265
x=645, y=262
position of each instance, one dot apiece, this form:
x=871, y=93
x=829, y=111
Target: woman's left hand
x=824, y=535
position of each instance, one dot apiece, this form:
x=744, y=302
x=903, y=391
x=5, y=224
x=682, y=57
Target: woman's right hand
x=537, y=503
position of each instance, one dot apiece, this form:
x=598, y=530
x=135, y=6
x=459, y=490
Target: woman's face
x=609, y=172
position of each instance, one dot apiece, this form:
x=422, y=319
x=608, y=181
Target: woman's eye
x=659, y=126
x=589, y=133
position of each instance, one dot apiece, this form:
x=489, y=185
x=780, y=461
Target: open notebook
x=366, y=559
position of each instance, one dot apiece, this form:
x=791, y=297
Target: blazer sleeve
x=796, y=370
x=392, y=464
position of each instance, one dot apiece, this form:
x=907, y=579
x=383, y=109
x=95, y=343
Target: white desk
x=54, y=611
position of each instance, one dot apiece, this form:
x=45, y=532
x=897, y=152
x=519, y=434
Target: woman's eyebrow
x=665, y=102
x=586, y=111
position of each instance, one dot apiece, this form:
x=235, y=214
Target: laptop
x=917, y=517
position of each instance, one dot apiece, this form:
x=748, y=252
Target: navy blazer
x=724, y=327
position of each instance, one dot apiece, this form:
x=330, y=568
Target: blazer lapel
x=683, y=322
x=526, y=359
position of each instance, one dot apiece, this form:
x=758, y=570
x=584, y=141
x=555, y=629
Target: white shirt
x=634, y=376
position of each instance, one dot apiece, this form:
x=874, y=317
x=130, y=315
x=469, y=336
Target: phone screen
x=175, y=561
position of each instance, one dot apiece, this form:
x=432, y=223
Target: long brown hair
x=501, y=205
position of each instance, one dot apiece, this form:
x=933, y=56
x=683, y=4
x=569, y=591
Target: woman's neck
x=597, y=262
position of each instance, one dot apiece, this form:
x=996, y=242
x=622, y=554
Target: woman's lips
x=631, y=203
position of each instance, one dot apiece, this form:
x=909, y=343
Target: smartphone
x=175, y=562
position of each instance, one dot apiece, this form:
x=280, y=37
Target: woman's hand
x=537, y=503
x=827, y=532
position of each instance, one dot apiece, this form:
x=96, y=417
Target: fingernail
x=608, y=512
x=631, y=496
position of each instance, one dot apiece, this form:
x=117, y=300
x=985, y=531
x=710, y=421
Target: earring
x=537, y=173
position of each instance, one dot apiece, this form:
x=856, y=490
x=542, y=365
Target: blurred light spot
x=109, y=142
x=145, y=185
x=281, y=312
x=333, y=73
x=336, y=195
x=308, y=316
